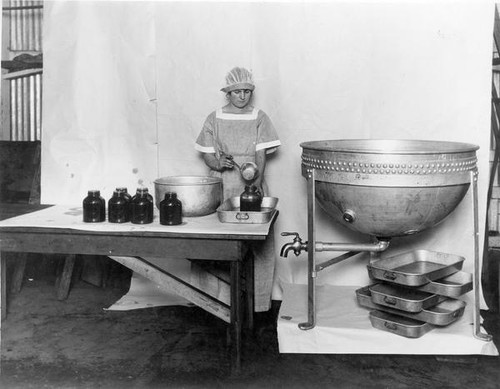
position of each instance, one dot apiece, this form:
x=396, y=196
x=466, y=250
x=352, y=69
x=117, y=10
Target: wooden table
x=60, y=230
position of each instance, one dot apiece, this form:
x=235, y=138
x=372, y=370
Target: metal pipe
x=311, y=255
x=335, y=260
x=378, y=246
x=476, y=280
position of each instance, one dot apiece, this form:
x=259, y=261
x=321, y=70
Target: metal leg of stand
x=476, y=278
x=311, y=255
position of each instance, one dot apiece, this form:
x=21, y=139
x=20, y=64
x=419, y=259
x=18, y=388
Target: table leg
x=64, y=281
x=236, y=316
x=250, y=290
x=3, y=287
x=3, y=298
x=19, y=268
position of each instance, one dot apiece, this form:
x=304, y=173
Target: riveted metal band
x=389, y=170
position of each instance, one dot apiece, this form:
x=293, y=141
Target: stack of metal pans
x=415, y=291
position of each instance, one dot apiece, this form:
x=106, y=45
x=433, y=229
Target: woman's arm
x=260, y=161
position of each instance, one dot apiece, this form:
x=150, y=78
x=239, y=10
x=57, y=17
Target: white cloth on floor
x=344, y=327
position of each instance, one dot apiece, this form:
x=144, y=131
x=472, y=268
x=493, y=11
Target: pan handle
x=242, y=216
x=390, y=326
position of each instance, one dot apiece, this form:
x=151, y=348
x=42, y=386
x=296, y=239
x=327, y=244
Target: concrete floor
x=75, y=343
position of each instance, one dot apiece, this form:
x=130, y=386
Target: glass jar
x=128, y=198
x=118, y=208
x=250, y=199
x=94, y=207
x=142, y=207
x=170, y=210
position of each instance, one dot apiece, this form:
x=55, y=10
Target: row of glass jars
x=123, y=208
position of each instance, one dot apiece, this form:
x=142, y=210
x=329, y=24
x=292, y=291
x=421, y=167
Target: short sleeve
x=267, y=137
x=205, y=141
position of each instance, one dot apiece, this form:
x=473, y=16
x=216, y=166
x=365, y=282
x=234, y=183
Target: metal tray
x=229, y=211
x=415, y=268
x=442, y=314
x=399, y=325
x=452, y=286
x=404, y=299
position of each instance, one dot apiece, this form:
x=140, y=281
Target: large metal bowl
x=388, y=188
x=199, y=195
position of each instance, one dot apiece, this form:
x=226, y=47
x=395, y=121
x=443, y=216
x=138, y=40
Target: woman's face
x=240, y=97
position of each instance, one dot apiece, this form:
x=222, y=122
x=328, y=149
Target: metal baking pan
x=399, y=325
x=452, y=286
x=442, y=314
x=415, y=268
x=404, y=299
x=229, y=211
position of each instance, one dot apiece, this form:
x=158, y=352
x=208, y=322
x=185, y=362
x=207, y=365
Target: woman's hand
x=258, y=184
x=225, y=162
x=218, y=164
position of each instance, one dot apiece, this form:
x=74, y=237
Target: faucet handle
x=296, y=245
x=296, y=234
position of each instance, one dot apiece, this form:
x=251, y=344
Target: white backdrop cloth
x=128, y=85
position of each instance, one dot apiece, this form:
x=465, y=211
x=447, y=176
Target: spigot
x=296, y=245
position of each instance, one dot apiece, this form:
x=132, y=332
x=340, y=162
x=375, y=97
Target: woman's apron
x=237, y=135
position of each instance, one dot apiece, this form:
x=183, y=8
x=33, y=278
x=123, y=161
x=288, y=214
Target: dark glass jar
x=129, y=200
x=149, y=195
x=118, y=208
x=250, y=199
x=170, y=210
x=94, y=207
x=141, y=207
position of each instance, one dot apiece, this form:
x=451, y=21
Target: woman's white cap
x=238, y=78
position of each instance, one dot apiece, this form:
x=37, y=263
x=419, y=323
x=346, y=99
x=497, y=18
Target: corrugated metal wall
x=26, y=108
x=26, y=91
x=26, y=25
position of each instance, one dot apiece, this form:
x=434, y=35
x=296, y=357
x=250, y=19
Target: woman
x=239, y=132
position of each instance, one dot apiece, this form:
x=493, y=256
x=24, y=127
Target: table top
x=64, y=218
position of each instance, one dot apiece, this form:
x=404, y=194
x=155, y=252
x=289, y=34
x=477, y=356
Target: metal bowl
x=388, y=188
x=199, y=195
